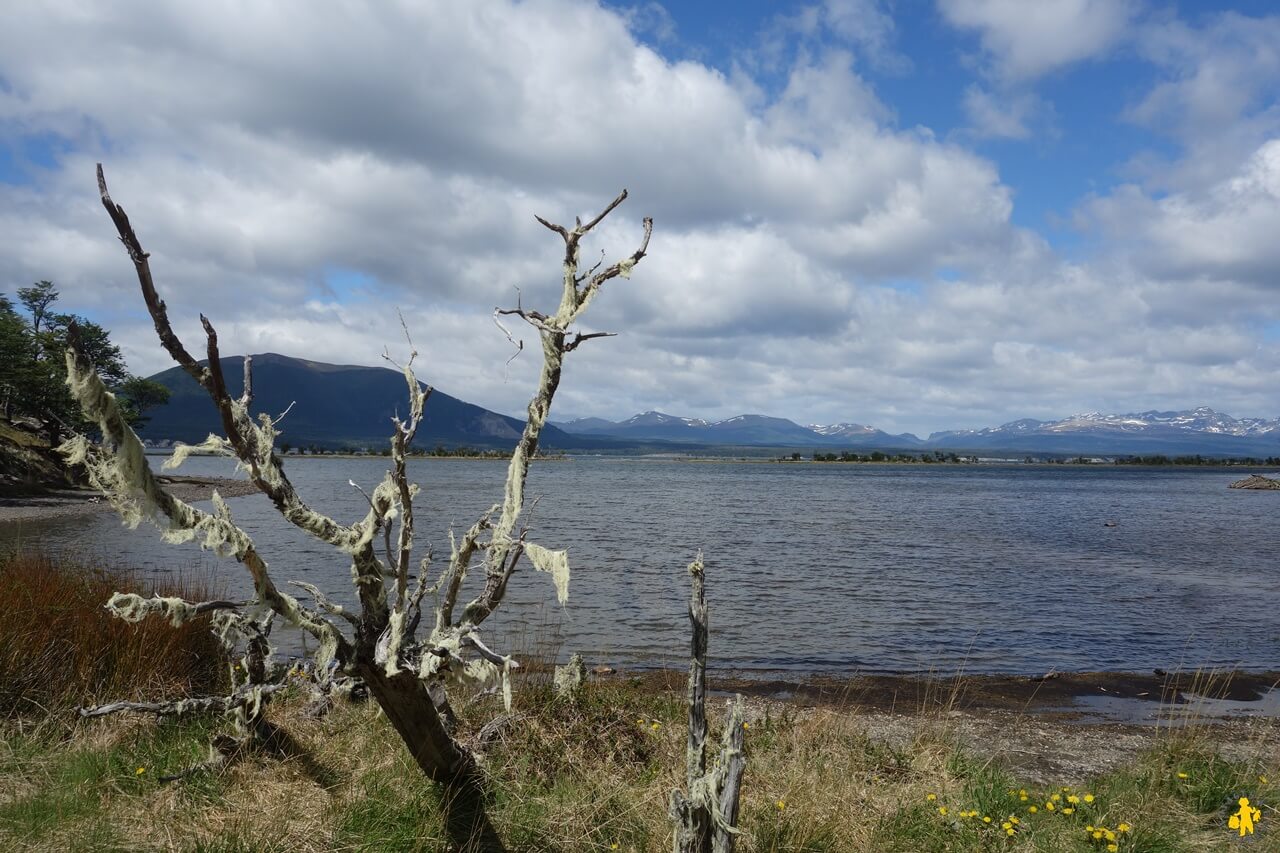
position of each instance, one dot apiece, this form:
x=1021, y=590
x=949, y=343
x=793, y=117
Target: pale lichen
x=555, y=563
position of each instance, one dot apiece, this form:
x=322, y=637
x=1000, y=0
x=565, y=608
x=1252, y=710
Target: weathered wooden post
x=706, y=817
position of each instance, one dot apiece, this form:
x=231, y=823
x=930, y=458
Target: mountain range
x=1201, y=430
x=351, y=406
x=332, y=406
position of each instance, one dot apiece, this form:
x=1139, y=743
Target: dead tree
x=379, y=643
x=706, y=817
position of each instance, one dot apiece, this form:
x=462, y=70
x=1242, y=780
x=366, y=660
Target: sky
x=914, y=214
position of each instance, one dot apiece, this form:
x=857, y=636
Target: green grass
x=590, y=774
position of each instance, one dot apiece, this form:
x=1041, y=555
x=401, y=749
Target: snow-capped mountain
x=1193, y=431
x=1201, y=420
x=1201, y=430
x=842, y=429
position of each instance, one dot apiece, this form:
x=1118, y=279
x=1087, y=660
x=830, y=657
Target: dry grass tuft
x=59, y=647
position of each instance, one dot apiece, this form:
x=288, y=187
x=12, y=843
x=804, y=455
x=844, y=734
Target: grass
x=59, y=647
x=591, y=774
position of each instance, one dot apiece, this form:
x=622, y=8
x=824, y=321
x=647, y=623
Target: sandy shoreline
x=60, y=503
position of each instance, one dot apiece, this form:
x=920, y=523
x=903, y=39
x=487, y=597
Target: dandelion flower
x=1068, y=810
x=1088, y=798
x=931, y=797
x=942, y=810
x=1057, y=798
x=1182, y=775
x=1111, y=836
x=746, y=725
x=1112, y=848
x=1073, y=799
x=655, y=726
x=1033, y=809
x=1009, y=832
x=986, y=819
x=613, y=846
x=1124, y=827
x=1006, y=825
x=139, y=771
x=1050, y=806
x=782, y=804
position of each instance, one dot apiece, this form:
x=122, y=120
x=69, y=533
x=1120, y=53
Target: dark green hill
x=334, y=406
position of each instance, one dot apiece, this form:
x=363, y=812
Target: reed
x=59, y=647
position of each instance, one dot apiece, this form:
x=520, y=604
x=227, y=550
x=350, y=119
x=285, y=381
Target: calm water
x=824, y=568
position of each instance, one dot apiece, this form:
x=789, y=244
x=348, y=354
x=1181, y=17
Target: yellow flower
x=746, y=725
x=1262, y=779
x=1049, y=805
x=931, y=797
x=640, y=722
x=655, y=726
x=782, y=804
x=1182, y=775
x=942, y=810
x=1014, y=820
x=1112, y=848
x=613, y=846
x=1007, y=825
x=1068, y=810
x=1088, y=798
x=1022, y=797
x=1073, y=799
x=1009, y=831
x=1124, y=827
x=1057, y=798
x=1111, y=836
x=139, y=771
x=1032, y=809
x=1097, y=835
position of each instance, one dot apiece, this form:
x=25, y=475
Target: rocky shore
x=55, y=503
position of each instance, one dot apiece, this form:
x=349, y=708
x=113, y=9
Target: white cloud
x=999, y=116
x=1226, y=231
x=793, y=269
x=1217, y=92
x=1025, y=40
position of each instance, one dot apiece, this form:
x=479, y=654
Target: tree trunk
x=406, y=701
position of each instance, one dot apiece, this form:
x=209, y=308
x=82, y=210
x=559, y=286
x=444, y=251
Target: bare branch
x=325, y=604
x=583, y=229
x=155, y=305
x=181, y=707
x=246, y=399
x=559, y=229
x=579, y=338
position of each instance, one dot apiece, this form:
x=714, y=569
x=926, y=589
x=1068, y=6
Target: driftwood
x=377, y=642
x=706, y=816
x=1256, y=481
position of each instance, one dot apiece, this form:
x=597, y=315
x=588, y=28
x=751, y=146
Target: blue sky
x=915, y=214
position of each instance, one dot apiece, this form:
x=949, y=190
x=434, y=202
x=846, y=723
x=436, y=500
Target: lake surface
x=819, y=568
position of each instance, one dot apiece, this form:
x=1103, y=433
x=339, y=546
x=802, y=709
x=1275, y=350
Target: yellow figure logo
x=1244, y=819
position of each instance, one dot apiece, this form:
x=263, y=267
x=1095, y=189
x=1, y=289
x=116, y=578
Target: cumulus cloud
x=1226, y=231
x=1024, y=41
x=297, y=174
